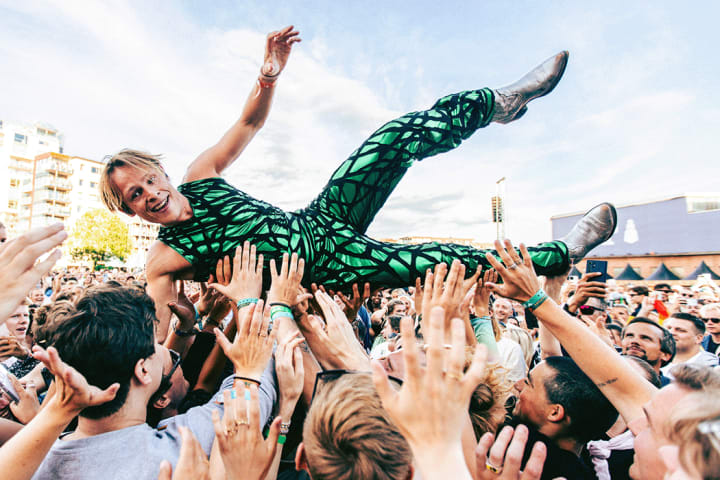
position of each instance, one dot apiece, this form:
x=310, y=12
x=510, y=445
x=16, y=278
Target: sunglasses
x=328, y=376
x=587, y=310
x=711, y=320
x=166, y=382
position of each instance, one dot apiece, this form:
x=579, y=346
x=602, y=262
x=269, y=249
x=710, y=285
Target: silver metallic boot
x=511, y=101
x=594, y=228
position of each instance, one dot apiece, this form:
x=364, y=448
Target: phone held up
x=597, y=266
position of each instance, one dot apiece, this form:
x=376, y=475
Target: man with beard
x=645, y=339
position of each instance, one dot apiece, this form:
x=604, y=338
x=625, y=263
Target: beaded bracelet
x=536, y=300
x=284, y=428
x=247, y=301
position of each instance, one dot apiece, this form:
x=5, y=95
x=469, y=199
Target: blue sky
x=635, y=117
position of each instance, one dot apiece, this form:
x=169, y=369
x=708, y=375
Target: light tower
x=497, y=204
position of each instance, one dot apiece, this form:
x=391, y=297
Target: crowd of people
x=490, y=365
x=500, y=375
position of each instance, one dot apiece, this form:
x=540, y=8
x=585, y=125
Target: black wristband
x=246, y=379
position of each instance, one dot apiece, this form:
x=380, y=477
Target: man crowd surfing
x=481, y=365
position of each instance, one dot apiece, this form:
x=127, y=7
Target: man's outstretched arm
x=217, y=158
x=625, y=388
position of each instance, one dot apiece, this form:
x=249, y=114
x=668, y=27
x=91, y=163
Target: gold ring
x=493, y=468
x=454, y=376
x=241, y=422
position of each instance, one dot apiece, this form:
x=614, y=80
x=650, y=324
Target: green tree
x=99, y=236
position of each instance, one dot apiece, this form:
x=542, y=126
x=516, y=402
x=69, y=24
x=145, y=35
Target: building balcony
x=53, y=183
x=50, y=210
x=18, y=165
x=59, y=168
x=52, y=196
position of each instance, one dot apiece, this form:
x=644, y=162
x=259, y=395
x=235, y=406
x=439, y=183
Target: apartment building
x=45, y=186
x=20, y=143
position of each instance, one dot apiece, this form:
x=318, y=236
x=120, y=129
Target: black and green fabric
x=330, y=233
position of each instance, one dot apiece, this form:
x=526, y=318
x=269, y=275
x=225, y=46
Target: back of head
x=694, y=427
x=348, y=435
x=590, y=413
x=522, y=338
x=103, y=336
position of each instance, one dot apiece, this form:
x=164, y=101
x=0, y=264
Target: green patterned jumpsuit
x=330, y=233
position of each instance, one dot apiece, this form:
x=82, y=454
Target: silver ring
x=513, y=266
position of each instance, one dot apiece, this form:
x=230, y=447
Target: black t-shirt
x=712, y=347
x=559, y=462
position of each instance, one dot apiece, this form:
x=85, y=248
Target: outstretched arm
x=217, y=158
x=626, y=389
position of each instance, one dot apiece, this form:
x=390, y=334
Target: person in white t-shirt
x=688, y=332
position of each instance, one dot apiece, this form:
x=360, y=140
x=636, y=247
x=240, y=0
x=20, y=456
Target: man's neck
x=131, y=414
x=682, y=357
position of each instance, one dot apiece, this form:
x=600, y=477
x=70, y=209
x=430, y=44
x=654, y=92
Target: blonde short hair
x=348, y=435
x=110, y=194
x=694, y=425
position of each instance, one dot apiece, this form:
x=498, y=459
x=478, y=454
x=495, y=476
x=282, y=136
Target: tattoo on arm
x=607, y=382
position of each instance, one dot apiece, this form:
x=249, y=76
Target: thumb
x=219, y=287
x=382, y=384
x=273, y=434
x=165, y=471
x=222, y=340
x=21, y=391
x=106, y=395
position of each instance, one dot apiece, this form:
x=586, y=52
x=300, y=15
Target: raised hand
x=277, y=50
x=586, y=289
x=431, y=407
x=19, y=271
x=252, y=348
x=28, y=405
x=481, y=297
x=520, y=281
x=489, y=456
x=246, y=279
x=193, y=463
x=73, y=393
x=244, y=452
x=12, y=347
x=352, y=305
x=290, y=373
x=285, y=284
x=183, y=308
x=334, y=343
x=448, y=295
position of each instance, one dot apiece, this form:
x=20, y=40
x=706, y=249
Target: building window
x=700, y=204
x=14, y=182
x=80, y=182
x=93, y=184
x=12, y=204
x=95, y=170
x=19, y=138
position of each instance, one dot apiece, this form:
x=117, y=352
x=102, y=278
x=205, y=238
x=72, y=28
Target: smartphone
x=597, y=266
x=6, y=386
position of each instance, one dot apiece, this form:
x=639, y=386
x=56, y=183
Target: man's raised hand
x=277, y=50
x=19, y=271
x=246, y=279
